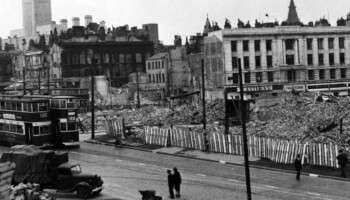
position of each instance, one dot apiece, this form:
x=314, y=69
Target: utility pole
x=138, y=89
x=204, y=111
x=92, y=107
x=244, y=130
x=24, y=74
x=39, y=79
x=48, y=76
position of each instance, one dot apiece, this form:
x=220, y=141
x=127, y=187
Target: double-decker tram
x=25, y=120
x=38, y=120
x=64, y=116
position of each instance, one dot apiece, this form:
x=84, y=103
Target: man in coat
x=171, y=184
x=177, y=182
x=342, y=161
x=298, y=166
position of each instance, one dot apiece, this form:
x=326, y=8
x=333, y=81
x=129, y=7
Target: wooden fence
x=6, y=173
x=115, y=126
x=182, y=137
x=157, y=136
x=277, y=150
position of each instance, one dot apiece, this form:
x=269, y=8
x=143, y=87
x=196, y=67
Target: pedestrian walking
x=171, y=184
x=298, y=166
x=177, y=182
x=342, y=161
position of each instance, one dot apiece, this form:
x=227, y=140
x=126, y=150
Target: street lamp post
x=244, y=130
x=204, y=111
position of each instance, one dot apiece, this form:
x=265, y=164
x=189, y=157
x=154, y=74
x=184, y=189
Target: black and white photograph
x=174, y=99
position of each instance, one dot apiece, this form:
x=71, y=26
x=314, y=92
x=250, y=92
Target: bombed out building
x=94, y=50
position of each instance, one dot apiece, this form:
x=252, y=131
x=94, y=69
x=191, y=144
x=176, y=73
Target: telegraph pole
x=244, y=130
x=92, y=107
x=204, y=111
x=137, y=88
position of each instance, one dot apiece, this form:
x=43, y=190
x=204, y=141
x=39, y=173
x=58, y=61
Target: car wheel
x=83, y=192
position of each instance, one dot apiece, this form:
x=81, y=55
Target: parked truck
x=51, y=170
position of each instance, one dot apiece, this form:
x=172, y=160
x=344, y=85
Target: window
x=63, y=126
x=44, y=130
x=309, y=43
x=246, y=62
x=257, y=45
x=245, y=45
x=268, y=45
x=72, y=126
x=291, y=75
x=342, y=58
x=162, y=64
x=2, y=105
x=247, y=77
x=270, y=77
x=234, y=78
x=290, y=44
x=234, y=62
x=290, y=59
x=343, y=73
x=163, y=77
x=332, y=74
x=257, y=61
x=310, y=74
x=320, y=43
x=320, y=59
x=310, y=59
x=149, y=78
x=138, y=57
x=259, y=77
x=330, y=43
x=269, y=61
x=36, y=130
x=331, y=59
x=322, y=74
x=341, y=43
x=233, y=46
x=149, y=66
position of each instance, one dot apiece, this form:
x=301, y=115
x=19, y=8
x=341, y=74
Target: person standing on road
x=177, y=182
x=171, y=184
x=298, y=166
x=342, y=161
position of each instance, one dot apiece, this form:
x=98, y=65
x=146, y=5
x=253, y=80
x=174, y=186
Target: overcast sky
x=184, y=17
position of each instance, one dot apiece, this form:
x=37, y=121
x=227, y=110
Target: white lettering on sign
x=294, y=87
x=257, y=88
x=8, y=116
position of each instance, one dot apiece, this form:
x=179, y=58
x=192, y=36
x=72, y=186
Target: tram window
x=44, y=130
x=2, y=105
x=13, y=128
x=42, y=107
x=63, y=104
x=7, y=105
x=6, y=127
x=55, y=103
x=13, y=106
x=1, y=126
x=19, y=129
x=35, y=107
x=19, y=106
x=63, y=126
x=35, y=130
x=71, y=126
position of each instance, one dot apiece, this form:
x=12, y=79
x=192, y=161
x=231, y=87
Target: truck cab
x=69, y=178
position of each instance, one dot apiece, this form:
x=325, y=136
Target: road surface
x=126, y=171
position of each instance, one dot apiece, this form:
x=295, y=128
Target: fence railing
x=277, y=150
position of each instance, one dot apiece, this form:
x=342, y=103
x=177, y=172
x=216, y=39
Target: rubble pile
x=301, y=117
x=30, y=191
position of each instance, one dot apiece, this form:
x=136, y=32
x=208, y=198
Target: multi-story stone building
x=280, y=58
x=157, y=68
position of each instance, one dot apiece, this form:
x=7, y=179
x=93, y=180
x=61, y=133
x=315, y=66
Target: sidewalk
x=312, y=171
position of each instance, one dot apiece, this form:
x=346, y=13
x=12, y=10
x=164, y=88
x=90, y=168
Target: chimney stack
x=88, y=20
x=64, y=23
x=76, y=21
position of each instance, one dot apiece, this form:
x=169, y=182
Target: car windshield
x=76, y=169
